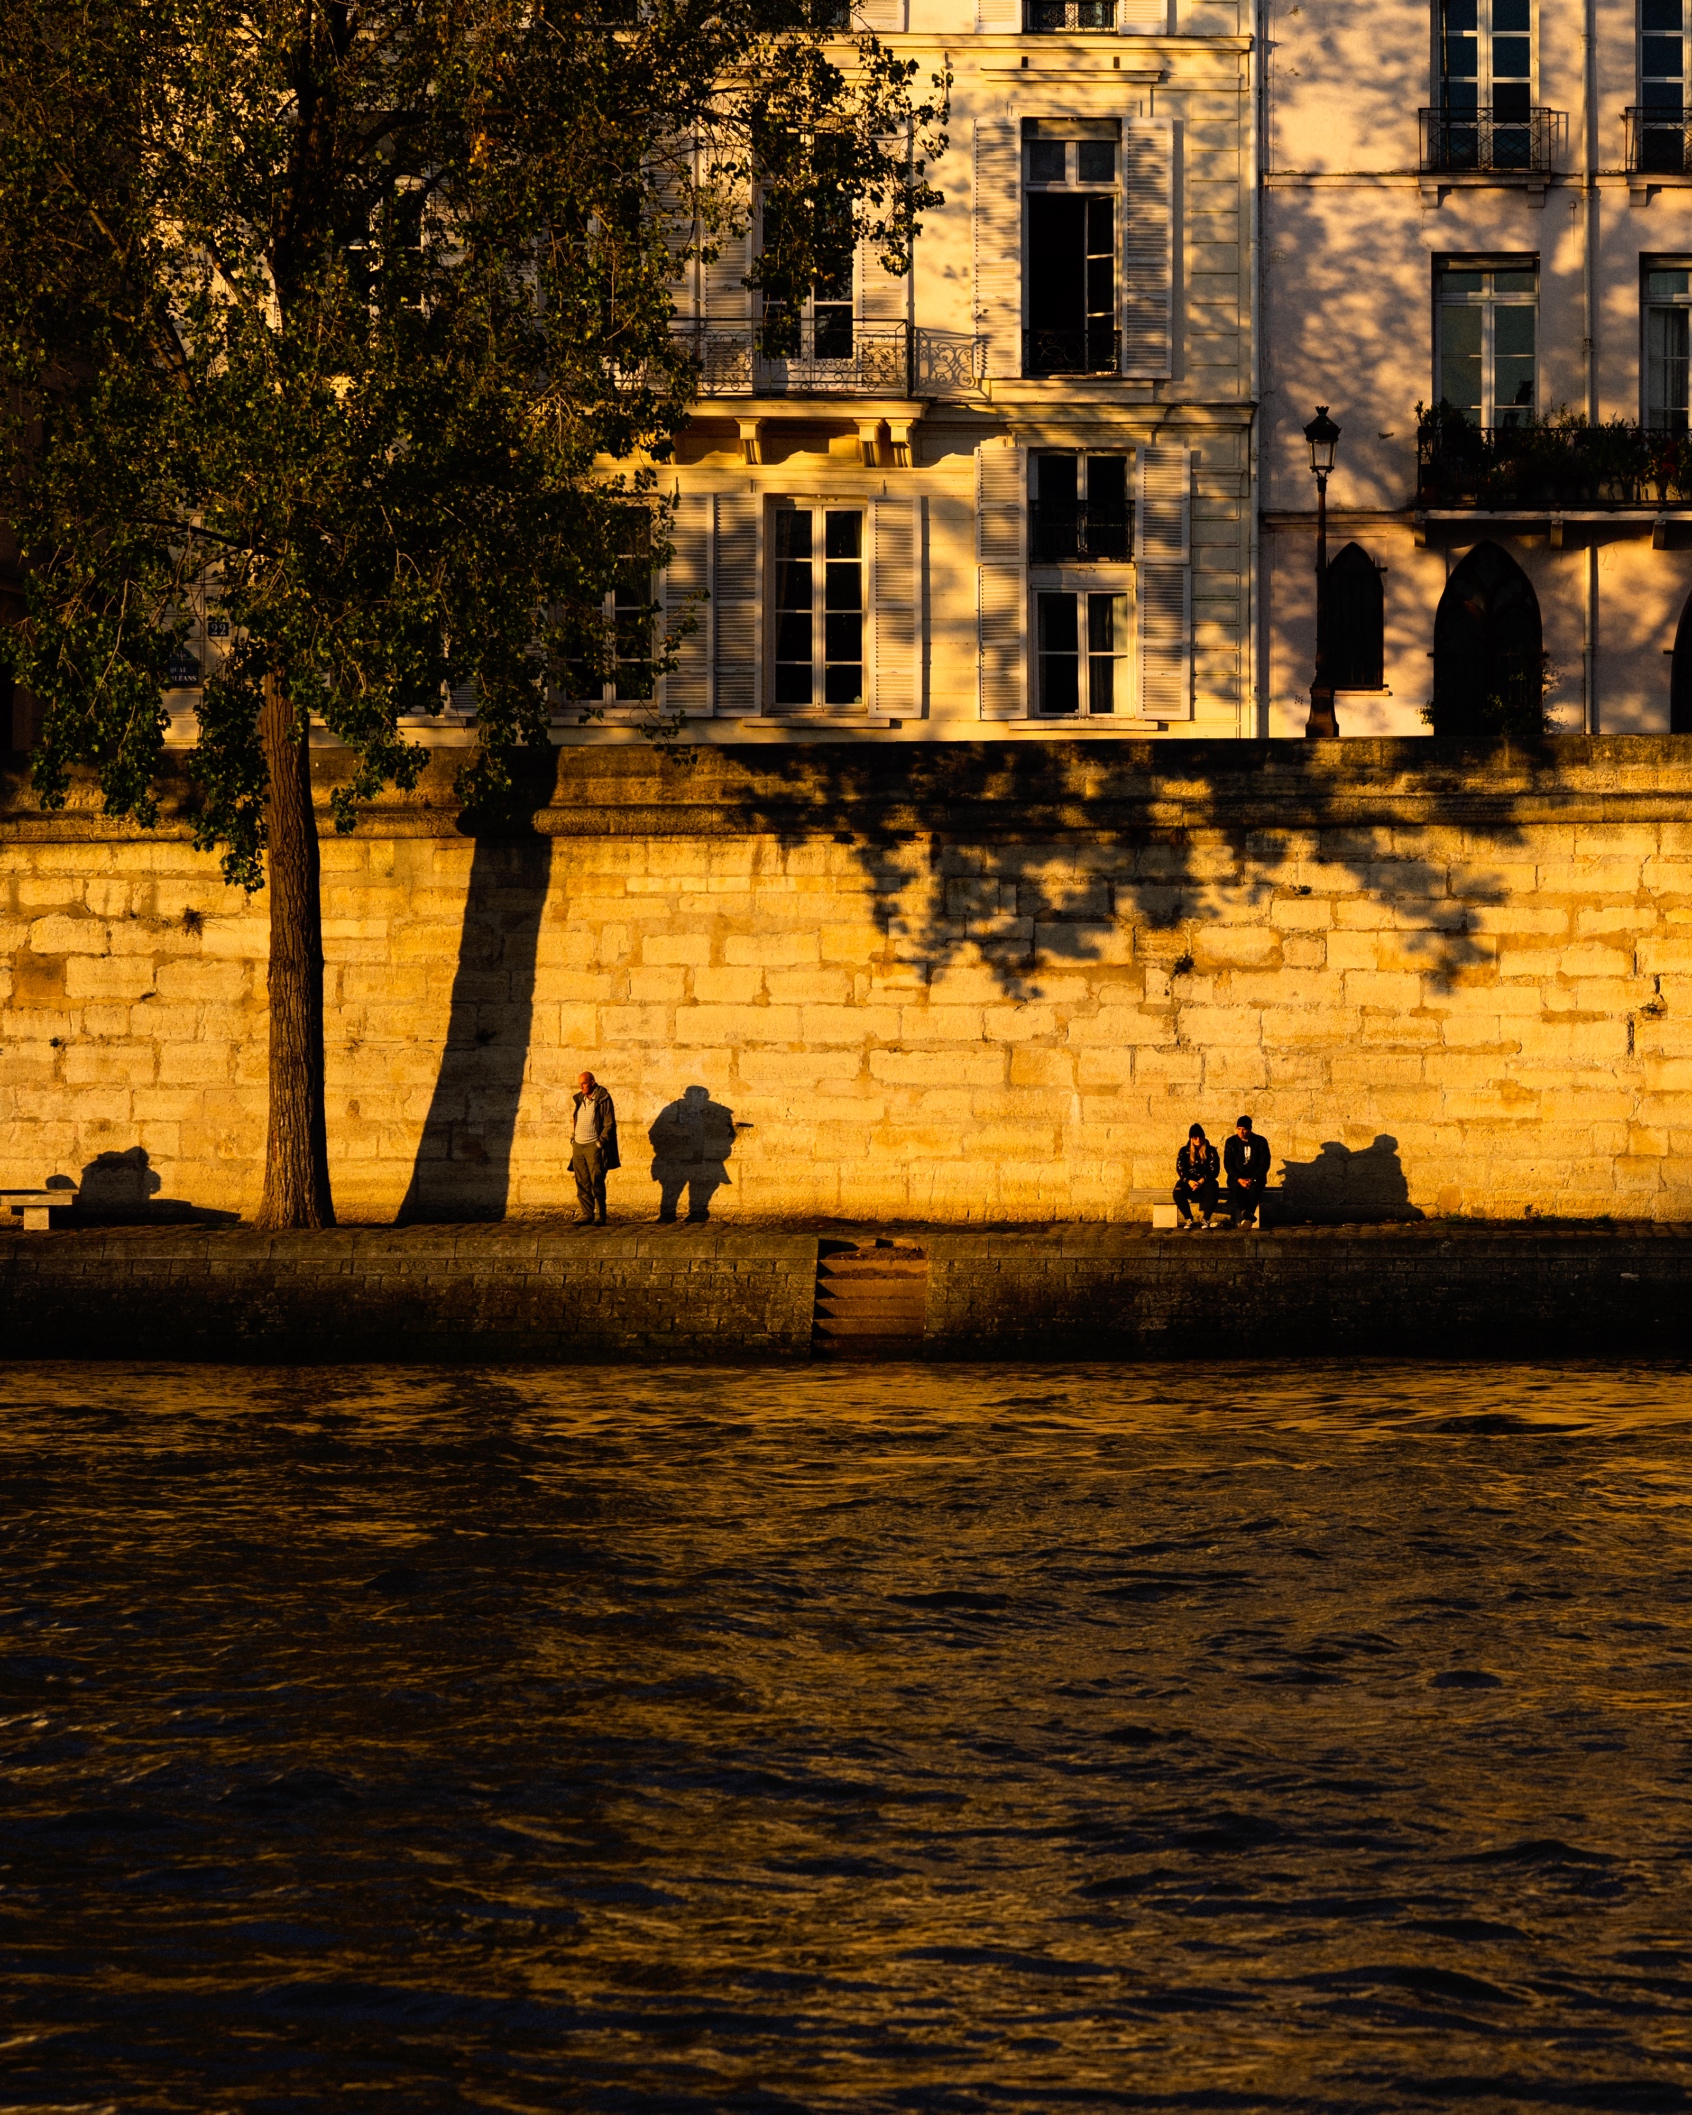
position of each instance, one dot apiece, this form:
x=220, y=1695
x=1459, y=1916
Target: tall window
x=1070, y=173
x=1486, y=319
x=1083, y=651
x=1080, y=509
x=1662, y=85
x=629, y=614
x=1668, y=307
x=1356, y=626
x=1486, y=82
x=818, y=608
x=818, y=324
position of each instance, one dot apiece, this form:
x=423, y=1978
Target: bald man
x=593, y=1147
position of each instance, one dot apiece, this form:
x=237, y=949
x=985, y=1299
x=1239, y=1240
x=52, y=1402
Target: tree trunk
x=296, y=1153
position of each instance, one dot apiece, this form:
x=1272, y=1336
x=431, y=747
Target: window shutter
x=728, y=300
x=737, y=561
x=1142, y=18
x=999, y=15
x=998, y=244
x=881, y=14
x=1148, y=163
x=687, y=577
x=669, y=178
x=1163, y=545
x=1001, y=505
x=894, y=600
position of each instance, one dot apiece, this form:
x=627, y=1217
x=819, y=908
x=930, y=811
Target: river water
x=901, y=1738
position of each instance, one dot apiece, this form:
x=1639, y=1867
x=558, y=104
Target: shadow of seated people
x=1342, y=1187
x=121, y=1189
x=691, y=1141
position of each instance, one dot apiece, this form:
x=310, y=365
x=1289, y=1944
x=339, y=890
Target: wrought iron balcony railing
x=1658, y=141
x=1062, y=533
x=1508, y=142
x=874, y=360
x=1551, y=463
x=1094, y=350
x=1055, y=17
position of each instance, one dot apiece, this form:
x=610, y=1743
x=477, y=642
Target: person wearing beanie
x=1196, y=1171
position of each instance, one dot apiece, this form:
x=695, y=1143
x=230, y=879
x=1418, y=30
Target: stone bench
x=36, y=1206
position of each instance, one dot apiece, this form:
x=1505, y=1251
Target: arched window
x=1355, y=621
x=1489, y=659
x=1680, y=675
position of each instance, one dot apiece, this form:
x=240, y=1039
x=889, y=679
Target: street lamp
x=1323, y=436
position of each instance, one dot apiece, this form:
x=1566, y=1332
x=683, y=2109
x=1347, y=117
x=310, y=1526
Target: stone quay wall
x=681, y=1295
x=960, y=982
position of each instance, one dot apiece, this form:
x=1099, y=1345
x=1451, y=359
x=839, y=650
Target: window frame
x=1485, y=79
x=1085, y=590
x=609, y=698
x=819, y=507
x=1072, y=134
x=1489, y=301
x=1649, y=304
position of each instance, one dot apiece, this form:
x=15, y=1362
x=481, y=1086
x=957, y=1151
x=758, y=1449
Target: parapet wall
x=956, y=982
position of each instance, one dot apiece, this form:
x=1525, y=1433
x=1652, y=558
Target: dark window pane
x=843, y=637
x=1462, y=58
x=793, y=638
x=1452, y=284
x=1662, y=55
x=1096, y=161
x=1512, y=58
x=1514, y=282
x=833, y=333
x=1659, y=15
x=1058, y=624
x=1099, y=628
x=844, y=533
x=1510, y=14
x=1046, y=161
x=843, y=684
x=1055, y=477
x=793, y=584
x=845, y=587
x=793, y=683
x=1460, y=15
x=1658, y=284
x=1057, y=262
x=793, y=534
x=1510, y=99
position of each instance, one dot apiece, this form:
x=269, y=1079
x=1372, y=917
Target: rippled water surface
x=906, y=1738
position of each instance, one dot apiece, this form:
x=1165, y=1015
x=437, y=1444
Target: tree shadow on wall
x=1343, y=1188
x=462, y=1170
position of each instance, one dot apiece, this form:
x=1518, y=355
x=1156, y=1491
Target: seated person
x=1196, y=1170
x=1246, y=1158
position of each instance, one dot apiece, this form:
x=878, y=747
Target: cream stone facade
x=1437, y=992
x=1385, y=209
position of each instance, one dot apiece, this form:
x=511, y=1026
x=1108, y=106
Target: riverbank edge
x=691, y=1294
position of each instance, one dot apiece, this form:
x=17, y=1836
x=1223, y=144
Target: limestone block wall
x=969, y=985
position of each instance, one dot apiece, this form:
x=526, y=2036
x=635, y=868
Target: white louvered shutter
x=1142, y=18
x=1001, y=542
x=998, y=243
x=736, y=569
x=728, y=299
x=880, y=14
x=1148, y=228
x=670, y=176
x=685, y=585
x=1163, y=547
x=1000, y=15
x=894, y=603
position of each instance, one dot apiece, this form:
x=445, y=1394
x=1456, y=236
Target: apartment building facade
x=1493, y=215
x=1009, y=493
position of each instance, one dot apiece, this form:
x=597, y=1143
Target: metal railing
x=878, y=360
x=1055, y=17
x=1505, y=142
x=1551, y=463
x=1095, y=350
x=1658, y=141
x=1063, y=532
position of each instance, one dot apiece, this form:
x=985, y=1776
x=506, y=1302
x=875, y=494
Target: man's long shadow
x=463, y=1165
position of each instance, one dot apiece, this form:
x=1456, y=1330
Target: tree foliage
x=332, y=317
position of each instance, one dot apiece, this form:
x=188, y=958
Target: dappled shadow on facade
x=462, y=1169
x=1342, y=1187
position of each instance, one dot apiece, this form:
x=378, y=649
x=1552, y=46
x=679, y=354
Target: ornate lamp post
x=1323, y=436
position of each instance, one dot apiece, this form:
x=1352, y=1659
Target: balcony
x=869, y=360
x=1056, y=18
x=1491, y=142
x=1095, y=349
x=1548, y=467
x=1657, y=142
x=1062, y=533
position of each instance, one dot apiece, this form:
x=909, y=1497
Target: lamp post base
x=1322, y=722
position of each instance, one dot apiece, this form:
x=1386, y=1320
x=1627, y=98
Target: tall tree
x=326, y=315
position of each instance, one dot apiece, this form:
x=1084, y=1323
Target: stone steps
x=872, y=1297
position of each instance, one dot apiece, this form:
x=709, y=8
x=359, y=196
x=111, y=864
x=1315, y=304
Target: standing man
x=1246, y=1159
x=593, y=1151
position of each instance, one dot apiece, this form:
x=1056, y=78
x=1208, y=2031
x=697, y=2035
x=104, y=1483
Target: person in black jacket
x=1196, y=1170
x=1246, y=1159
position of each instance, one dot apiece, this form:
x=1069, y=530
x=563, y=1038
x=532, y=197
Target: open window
x=1666, y=312
x=1070, y=177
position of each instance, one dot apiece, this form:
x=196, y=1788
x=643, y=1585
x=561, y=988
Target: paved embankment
x=1439, y=1289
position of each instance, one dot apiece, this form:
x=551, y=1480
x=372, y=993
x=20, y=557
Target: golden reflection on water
x=893, y=1738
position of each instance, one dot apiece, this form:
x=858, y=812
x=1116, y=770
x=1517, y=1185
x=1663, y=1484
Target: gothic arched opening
x=1489, y=650
x=1356, y=621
